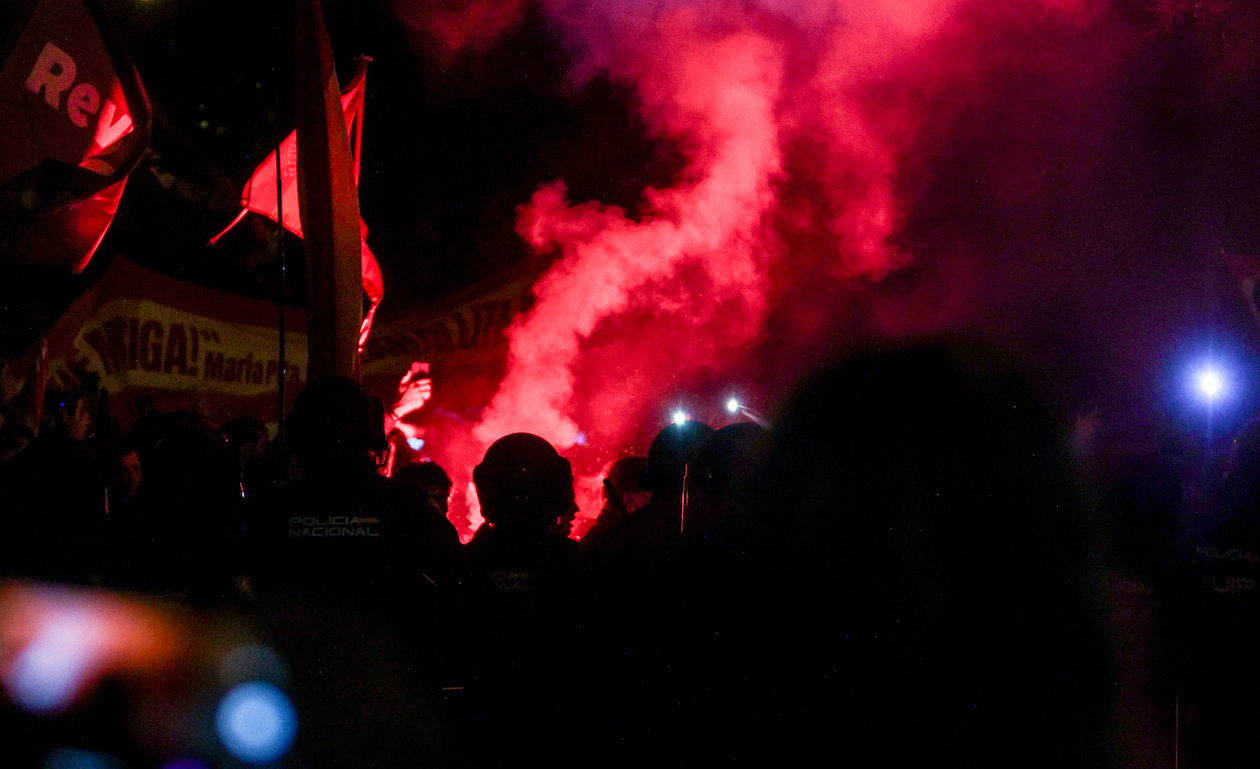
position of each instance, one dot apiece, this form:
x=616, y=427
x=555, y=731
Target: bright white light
x=1210, y=382
x=415, y=443
x=256, y=722
x=732, y=405
x=680, y=417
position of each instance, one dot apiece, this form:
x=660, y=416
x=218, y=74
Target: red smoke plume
x=803, y=123
x=717, y=92
x=812, y=132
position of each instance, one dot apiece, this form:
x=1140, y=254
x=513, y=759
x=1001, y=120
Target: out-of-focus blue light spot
x=680, y=417
x=256, y=722
x=72, y=758
x=48, y=672
x=415, y=443
x=580, y=439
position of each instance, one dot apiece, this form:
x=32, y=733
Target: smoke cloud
x=695, y=249
x=858, y=170
x=809, y=130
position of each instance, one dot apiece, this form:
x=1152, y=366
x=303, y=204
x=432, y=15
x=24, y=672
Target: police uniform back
x=350, y=573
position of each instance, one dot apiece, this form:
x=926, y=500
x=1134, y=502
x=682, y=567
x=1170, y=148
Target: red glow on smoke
x=810, y=130
x=475, y=518
x=695, y=248
x=588, y=492
x=459, y=24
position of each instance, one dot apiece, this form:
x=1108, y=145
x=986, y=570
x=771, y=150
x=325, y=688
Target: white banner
x=141, y=343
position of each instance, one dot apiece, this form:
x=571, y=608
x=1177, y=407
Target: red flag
x=76, y=122
x=259, y=194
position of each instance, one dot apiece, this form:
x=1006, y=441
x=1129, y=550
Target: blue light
x=256, y=722
x=680, y=417
x=1209, y=382
x=415, y=443
x=732, y=405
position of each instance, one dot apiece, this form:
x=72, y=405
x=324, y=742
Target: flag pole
x=282, y=369
x=328, y=202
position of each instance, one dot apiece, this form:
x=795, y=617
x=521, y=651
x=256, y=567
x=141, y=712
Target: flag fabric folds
x=76, y=122
x=259, y=193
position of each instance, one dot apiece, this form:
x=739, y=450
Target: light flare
x=1210, y=383
x=56, y=643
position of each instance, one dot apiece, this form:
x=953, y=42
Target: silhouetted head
x=720, y=474
x=190, y=467
x=919, y=508
x=623, y=480
x=69, y=412
x=131, y=472
x=430, y=478
x=336, y=426
x=671, y=450
x=245, y=435
x=730, y=453
x=626, y=473
x=522, y=480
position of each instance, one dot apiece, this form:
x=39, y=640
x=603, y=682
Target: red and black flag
x=259, y=193
x=76, y=122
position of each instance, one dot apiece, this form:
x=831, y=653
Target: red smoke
x=811, y=130
x=720, y=94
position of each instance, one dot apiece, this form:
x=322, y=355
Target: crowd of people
x=916, y=562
